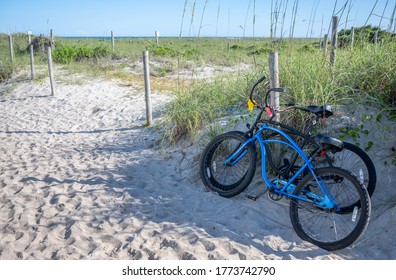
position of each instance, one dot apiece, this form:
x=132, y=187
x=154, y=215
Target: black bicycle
x=329, y=206
x=351, y=157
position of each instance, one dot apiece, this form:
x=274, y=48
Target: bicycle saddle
x=322, y=111
x=329, y=143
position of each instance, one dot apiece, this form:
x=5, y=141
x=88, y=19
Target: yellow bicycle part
x=251, y=103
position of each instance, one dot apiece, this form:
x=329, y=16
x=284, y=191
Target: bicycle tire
x=356, y=160
x=227, y=180
x=351, y=158
x=337, y=230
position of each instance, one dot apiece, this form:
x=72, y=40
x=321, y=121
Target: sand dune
x=81, y=177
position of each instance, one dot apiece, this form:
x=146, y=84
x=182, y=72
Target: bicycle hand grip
x=278, y=89
x=261, y=79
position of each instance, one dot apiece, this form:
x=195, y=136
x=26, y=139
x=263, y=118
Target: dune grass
x=308, y=76
x=202, y=103
x=304, y=70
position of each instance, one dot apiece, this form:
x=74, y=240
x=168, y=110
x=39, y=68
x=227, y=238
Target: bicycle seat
x=329, y=143
x=322, y=111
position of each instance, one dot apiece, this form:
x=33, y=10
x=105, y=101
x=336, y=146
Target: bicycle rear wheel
x=351, y=158
x=357, y=161
x=328, y=228
x=227, y=179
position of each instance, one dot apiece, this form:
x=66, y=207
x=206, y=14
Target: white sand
x=82, y=178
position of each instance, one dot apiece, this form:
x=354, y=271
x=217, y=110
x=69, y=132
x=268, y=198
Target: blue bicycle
x=329, y=206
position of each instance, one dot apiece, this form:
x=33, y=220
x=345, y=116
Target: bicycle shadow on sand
x=176, y=211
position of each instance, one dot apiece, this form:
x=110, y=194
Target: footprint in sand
x=54, y=200
x=193, y=238
x=38, y=216
x=68, y=230
x=209, y=246
x=188, y=256
x=115, y=243
x=135, y=254
x=18, y=235
x=46, y=192
x=172, y=244
x=60, y=207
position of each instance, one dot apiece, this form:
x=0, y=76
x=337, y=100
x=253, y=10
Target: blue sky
x=221, y=17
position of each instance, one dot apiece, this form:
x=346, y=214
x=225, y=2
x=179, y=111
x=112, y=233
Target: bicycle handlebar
x=266, y=94
x=272, y=90
x=324, y=111
x=254, y=86
x=268, y=108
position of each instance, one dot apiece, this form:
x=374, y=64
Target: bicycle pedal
x=254, y=198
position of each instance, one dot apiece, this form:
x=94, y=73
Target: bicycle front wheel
x=328, y=228
x=228, y=179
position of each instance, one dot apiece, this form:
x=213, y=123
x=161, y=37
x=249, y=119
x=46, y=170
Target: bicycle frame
x=327, y=201
x=306, y=136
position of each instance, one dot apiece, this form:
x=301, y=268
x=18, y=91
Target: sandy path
x=82, y=178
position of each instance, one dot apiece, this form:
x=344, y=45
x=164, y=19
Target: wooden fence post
x=31, y=61
x=334, y=40
x=50, y=70
x=274, y=80
x=156, y=37
x=149, y=115
x=52, y=39
x=274, y=101
x=11, y=49
x=112, y=40
x=31, y=54
x=352, y=39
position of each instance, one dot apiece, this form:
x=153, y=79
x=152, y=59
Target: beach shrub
x=163, y=51
x=363, y=35
x=6, y=71
x=101, y=51
x=307, y=48
x=190, y=53
x=40, y=44
x=236, y=47
x=83, y=52
x=65, y=54
x=259, y=50
x=187, y=52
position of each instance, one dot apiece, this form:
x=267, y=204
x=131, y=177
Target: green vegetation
x=6, y=70
x=65, y=54
x=202, y=103
x=363, y=35
x=367, y=69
